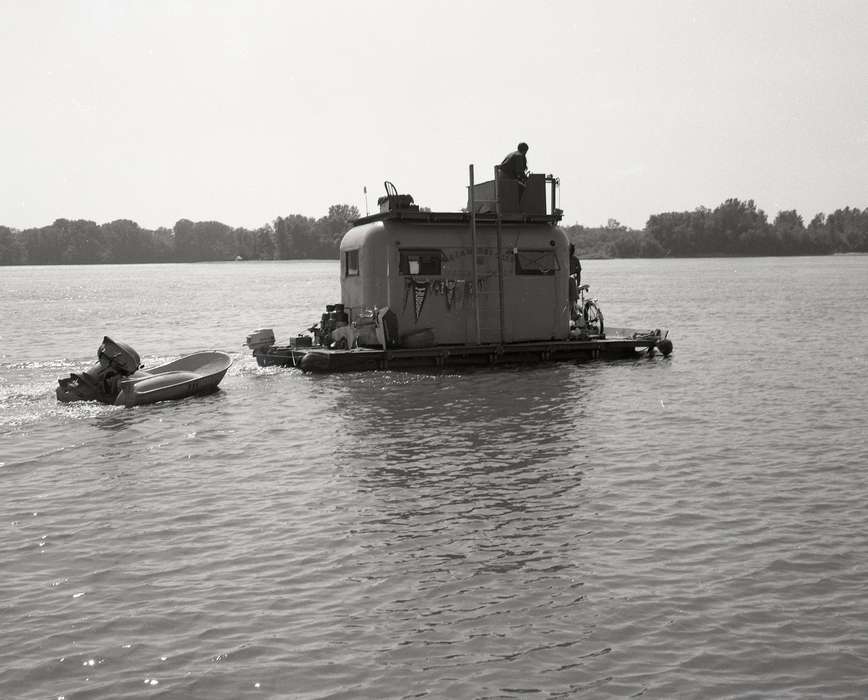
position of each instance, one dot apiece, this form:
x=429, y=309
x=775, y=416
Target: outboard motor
x=102, y=381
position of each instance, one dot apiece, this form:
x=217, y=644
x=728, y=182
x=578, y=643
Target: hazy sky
x=244, y=111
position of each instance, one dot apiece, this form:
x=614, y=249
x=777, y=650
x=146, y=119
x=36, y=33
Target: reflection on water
x=119, y=418
x=449, y=426
x=473, y=482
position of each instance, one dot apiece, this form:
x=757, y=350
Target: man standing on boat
x=514, y=167
x=575, y=279
x=575, y=265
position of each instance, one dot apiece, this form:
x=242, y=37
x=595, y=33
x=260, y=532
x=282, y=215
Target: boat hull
x=191, y=375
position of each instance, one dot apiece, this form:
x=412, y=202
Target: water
x=692, y=526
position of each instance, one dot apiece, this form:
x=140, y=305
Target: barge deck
x=321, y=359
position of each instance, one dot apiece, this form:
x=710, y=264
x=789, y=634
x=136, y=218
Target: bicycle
x=587, y=316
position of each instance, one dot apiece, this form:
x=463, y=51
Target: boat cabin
x=496, y=272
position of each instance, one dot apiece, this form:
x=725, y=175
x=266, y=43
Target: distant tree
x=125, y=242
x=680, y=233
x=612, y=240
x=244, y=244
x=345, y=213
x=282, y=242
x=790, y=233
x=738, y=227
x=590, y=242
x=216, y=240
x=331, y=228
x=186, y=244
x=11, y=251
x=848, y=230
x=733, y=228
x=164, y=244
x=47, y=244
x=264, y=242
x=300, y=235
x=635, y=244
x=818, y=235
x=82, y=241
x=789, y=220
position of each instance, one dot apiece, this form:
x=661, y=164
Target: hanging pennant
x=408, y=285
x=450, y=294
x=420, y=293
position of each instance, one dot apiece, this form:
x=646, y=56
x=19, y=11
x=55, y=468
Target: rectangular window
x=536, y=262
x=351, y=263
x=420, y=262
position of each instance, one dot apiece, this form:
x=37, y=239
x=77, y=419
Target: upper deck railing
x=519, y=203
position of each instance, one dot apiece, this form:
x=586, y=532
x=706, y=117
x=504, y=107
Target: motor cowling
x=261, y=339
x=118, y=356
x=101, y=382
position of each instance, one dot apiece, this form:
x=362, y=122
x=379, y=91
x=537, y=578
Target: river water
x=691, y=526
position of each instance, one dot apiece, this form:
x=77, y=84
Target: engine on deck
x=102, y=381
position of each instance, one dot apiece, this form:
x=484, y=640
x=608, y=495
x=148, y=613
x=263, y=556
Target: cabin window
x=536, y=262
x=420, y=262
x=351, y=263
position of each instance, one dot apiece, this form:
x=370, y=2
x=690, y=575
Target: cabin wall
x=366, y=288
x=397, y=268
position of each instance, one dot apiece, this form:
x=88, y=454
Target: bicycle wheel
x=593, y=318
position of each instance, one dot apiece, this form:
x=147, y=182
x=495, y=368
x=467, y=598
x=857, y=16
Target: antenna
x=365, y=188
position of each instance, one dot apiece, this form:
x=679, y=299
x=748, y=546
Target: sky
x=243, y=111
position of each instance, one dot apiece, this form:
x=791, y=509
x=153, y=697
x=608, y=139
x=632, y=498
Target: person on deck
x=575, y=265
x=575, y=280
x=514, y=166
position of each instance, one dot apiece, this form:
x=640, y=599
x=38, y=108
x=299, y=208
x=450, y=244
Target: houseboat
x=490, y=284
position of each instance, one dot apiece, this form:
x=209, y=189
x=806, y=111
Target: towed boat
x=119, y=378
x=494, y=283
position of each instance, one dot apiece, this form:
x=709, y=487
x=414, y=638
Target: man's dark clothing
x=514, y=165
x=576, y=267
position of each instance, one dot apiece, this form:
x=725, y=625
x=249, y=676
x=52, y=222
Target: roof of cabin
x=450, y=217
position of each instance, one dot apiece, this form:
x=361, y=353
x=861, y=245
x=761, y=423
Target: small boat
x=190, y=375
x=118, y=378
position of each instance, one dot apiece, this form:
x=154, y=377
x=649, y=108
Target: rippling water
x=692, y=526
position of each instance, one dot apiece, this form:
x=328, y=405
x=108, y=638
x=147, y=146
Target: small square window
x=420, y=262
x=351, y=262
x=536, y=262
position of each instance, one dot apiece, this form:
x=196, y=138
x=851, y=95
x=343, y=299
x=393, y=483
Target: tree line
x=71, y=242
x=733, y=228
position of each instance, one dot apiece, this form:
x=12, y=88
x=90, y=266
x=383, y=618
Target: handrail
x=391, y=194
